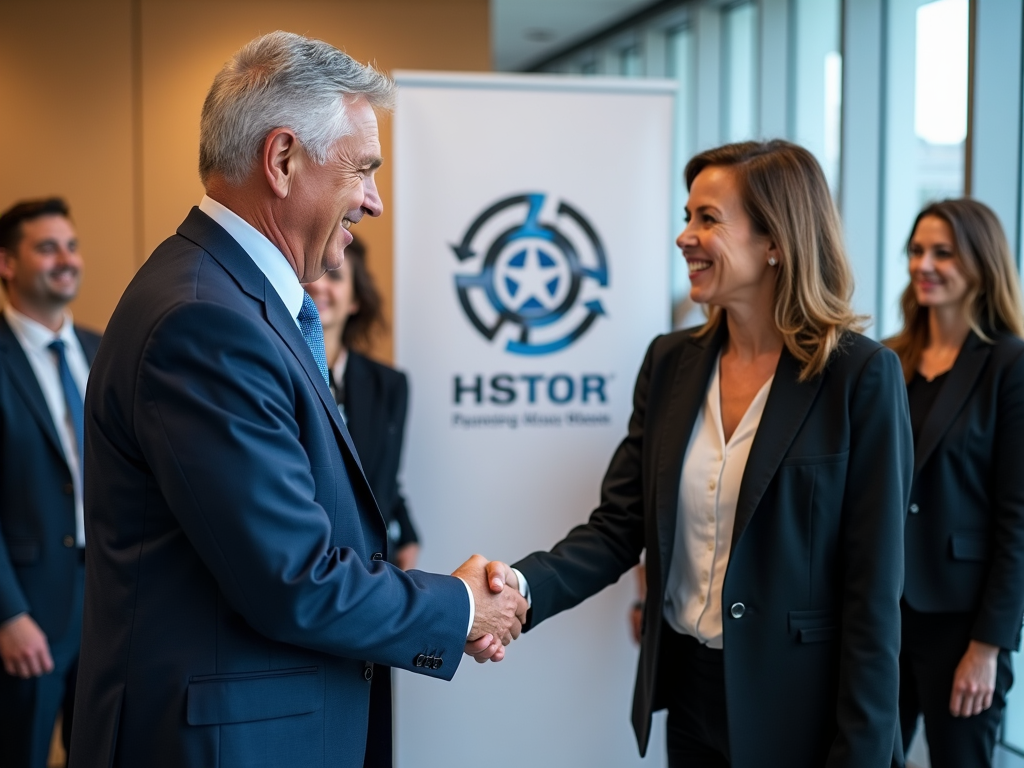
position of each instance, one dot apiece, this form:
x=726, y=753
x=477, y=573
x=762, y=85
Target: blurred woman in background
x=963, y=362
x=373, y=398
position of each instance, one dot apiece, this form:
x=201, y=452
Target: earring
x=772, y=261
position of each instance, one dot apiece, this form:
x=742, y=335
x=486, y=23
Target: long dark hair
x=369, y=318
x=993, y=300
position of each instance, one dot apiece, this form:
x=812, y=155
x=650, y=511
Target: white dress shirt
x=709, y=489
x=282, y=277
x=35, y=340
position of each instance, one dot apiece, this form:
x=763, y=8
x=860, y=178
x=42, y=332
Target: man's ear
x=6, y=264
x=280, y=155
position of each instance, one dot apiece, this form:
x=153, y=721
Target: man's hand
x=23, y=648
x=500, y=610
x=974, y=681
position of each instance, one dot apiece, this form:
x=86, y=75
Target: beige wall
x=101, y=103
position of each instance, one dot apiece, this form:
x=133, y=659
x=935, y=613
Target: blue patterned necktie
x=313, y=333
x=73, y=398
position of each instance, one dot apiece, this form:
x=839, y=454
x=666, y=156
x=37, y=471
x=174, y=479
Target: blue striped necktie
x=73, y=398
x=313, y=333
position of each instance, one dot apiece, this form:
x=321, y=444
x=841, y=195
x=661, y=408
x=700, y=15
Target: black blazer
x=38, y=556
x=376, y=402
x=965, y=530
x=811, y=595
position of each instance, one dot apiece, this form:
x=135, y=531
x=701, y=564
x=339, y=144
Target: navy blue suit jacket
x=237, y=589
x=38, y=555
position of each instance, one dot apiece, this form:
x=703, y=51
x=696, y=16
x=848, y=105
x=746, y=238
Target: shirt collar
x=36, y=335
x=264, y=253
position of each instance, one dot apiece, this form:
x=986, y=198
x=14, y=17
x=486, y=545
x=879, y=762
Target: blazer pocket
x=23, y=551
x=247, y=696
x=828, y=458
x=815, y=626
x=969, y=546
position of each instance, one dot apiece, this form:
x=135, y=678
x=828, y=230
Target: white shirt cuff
x=524, y=586
x=472, y=605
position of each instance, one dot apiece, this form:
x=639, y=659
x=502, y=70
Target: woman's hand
x=974, y=681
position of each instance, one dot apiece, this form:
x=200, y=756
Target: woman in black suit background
x=963, y=362
x=373, y=397
x=766, y=472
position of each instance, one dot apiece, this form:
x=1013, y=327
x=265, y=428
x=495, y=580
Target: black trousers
x=933, y=644
x=693, y=679
x=28, y=708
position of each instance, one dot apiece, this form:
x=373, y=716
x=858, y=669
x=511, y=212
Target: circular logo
x=541, y=277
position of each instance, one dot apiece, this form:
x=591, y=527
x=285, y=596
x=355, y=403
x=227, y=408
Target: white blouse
x=709, y=488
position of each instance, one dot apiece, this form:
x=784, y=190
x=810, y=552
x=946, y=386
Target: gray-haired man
x=238, y=592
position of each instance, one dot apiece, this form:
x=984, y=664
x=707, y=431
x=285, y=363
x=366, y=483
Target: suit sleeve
x=871, y=548
x=399, y=510
x=597, y=553
x=12, y=597
x=215, y=416
x=998, y=620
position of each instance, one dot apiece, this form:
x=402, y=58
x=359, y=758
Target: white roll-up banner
x=532, y=259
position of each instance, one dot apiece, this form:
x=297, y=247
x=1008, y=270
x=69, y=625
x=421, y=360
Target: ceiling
x=526, y=31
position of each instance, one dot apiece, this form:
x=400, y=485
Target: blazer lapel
x=24, y=379
x=205, y=232
x=789, y=401
x=689, y=390
x=361, y=407
x=951, y=398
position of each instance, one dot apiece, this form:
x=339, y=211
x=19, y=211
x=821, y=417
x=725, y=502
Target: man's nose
x=372, y=204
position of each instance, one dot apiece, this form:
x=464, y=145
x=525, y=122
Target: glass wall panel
x=681, y=53
x=631, y=63
x=818, y=80
x=739, y=31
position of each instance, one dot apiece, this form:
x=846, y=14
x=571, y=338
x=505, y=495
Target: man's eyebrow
x=373, y=162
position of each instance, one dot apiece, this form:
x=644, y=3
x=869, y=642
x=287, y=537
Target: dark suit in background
x=811, y=596
x=236, y=595
x=376, y=399
x=965, y=545
x=41, y=571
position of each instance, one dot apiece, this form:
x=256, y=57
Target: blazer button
x=419, y=660
x=368, y=671
x=437, y=663
x=69, y=488
x=377, y=556
x=69, y=541
x=737, y=610
x=914, y=509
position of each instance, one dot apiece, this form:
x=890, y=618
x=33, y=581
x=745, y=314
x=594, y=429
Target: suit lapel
x=205, y=232
x=24, y=379
x=952, y=397
x=788, y=403
x=689, y=390
x=361, y=398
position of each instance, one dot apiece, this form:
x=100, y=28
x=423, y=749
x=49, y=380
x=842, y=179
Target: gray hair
x=282, y=80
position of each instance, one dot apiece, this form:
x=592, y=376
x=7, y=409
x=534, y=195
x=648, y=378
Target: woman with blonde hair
x=766, y=472
x=963, y=362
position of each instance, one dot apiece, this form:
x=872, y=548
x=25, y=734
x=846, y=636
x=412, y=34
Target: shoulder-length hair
x=785, y=194
x=992, y=303
x=361, y=325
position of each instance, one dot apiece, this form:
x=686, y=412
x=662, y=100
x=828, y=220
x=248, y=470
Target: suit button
x=368, y=671
x=737, y=610
x=377, y=556
x=437, y=663
x=69, y=488
x=69, y=541
x=419, y=660
x=914, y=509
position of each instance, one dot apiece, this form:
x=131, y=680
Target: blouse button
x=711, y=484
x=914, y=509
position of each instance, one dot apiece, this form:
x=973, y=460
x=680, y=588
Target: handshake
x=500, y=609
